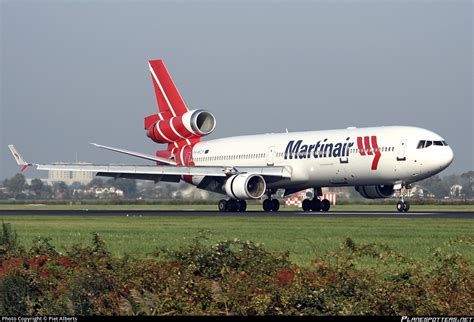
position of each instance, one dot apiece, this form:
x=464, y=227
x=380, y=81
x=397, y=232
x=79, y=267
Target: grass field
x=305, y=238
x=251, y=207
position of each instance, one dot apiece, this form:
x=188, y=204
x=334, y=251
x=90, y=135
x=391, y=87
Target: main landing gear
x=269, y=204
x=232, y=205
x=316, y=204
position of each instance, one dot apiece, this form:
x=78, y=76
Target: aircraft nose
x=447, y=157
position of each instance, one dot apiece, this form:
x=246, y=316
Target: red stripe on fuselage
x=185, y=157
x=360, y=146
x=375, y=146
x=367, y=145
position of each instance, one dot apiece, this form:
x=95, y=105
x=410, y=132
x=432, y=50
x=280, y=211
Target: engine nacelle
x=375, y=192
x=245, y=186
x=192, y=124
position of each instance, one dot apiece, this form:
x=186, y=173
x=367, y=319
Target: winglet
x=19, y=159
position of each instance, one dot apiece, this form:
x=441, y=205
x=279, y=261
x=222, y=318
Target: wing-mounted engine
x=245, y=186
x=375, y=192
x=192, y=124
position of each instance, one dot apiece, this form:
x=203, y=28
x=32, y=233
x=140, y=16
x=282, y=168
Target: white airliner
x=377, y=161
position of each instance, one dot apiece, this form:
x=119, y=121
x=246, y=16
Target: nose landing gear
x=402, y=205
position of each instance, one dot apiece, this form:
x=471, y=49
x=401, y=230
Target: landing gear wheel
x=306, y=205
x=232, y=205
x=316, y=204
x=400, y=206
x=406, y=206
x=403, y=206
x=325, y=205
x=222, y=205
x=275, y=205
x=267, y=205
x=242, y=205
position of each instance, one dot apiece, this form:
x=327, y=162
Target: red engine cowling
x=192, y=124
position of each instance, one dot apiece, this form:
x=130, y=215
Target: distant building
x=455, y=191
x=69, y=177
x=416, y=191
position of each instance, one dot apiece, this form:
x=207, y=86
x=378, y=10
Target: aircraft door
x=271, y=156
x=401, y=150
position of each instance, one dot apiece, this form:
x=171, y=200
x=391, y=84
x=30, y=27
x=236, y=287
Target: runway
x=194, y=213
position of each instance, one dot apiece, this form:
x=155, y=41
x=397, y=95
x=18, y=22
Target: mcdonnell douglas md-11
x=377, y=161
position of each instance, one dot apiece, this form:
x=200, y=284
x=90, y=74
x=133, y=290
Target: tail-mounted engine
x=192, y=124
x=375, y=192
x=245, y=186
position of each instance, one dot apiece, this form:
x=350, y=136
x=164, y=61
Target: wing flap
x=152, y=177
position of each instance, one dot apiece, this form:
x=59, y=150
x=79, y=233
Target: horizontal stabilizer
x=137, y=154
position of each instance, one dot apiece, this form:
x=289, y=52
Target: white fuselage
x=345, y=157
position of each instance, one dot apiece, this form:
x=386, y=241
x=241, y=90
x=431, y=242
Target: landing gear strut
x=232, y=205
x=402, y=205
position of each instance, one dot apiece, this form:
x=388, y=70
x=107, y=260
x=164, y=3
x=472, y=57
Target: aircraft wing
x=156, y=172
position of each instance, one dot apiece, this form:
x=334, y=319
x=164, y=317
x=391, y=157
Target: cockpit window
x=421, y=144
x=424, y=144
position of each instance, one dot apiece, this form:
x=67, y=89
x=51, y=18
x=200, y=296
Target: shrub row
x=229, y=278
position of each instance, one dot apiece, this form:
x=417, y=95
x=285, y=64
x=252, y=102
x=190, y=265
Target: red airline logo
x=365, y=148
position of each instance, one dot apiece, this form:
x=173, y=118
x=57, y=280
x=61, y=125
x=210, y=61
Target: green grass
x=305, y=238
x=251, y=207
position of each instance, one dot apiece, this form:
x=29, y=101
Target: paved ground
x=187, y=213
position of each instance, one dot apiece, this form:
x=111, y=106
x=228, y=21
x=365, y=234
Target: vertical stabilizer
x=170, y=102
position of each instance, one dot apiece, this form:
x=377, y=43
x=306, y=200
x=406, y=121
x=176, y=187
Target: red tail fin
x=170, y=102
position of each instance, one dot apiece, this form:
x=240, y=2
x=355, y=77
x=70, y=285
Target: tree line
x=17, y=187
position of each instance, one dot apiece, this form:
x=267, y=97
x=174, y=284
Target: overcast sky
x=75, y=72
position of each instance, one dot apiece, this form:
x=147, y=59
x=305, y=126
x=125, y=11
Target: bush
x=231, y=278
